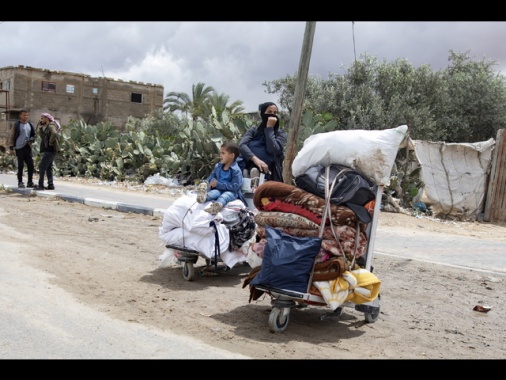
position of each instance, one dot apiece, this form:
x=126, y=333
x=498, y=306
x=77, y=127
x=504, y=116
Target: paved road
x=41, y=321
x=107, y=338
x=466, y=252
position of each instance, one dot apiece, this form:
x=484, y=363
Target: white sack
x=205, y=245
x=370, y=152
x=230, y=258
x=199, y=243
x=186, y=224
x=187, y=213
x=168, y=258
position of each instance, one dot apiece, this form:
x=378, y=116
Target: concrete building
x=72, y=96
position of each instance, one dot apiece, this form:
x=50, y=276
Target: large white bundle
x=185, y=212
x=186, y=224
x=370, y=152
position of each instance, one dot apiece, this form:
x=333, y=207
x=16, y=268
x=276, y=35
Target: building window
x=48, y=86
x=94, y=90
x=1, y=86
x=136, y=98
x=70, y=89
x=6, y=85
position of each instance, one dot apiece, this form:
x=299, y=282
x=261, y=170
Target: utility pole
x=300, y=87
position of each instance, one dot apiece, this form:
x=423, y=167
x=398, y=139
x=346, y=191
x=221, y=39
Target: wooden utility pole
x=300, y=88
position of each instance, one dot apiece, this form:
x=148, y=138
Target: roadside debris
x=482, y=308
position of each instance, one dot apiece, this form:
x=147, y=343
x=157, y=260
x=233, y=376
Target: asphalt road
x=40, y=321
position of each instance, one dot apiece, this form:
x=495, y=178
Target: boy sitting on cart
x=225, y=182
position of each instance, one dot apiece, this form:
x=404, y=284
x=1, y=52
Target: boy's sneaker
x=202, y=192
x=21, y=185
x=50, y=187
x=30, y=184
x=214, y=208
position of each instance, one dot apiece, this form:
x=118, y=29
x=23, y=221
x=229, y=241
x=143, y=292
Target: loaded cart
x=319, y=234
x=190, y=233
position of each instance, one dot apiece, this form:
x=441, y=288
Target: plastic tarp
x=455, y=175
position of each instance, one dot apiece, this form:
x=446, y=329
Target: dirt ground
x=109, y=260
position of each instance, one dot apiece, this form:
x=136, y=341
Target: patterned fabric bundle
x=243, y=230
x=299, y=213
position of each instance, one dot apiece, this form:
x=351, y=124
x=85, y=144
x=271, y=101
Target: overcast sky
x=237, y=57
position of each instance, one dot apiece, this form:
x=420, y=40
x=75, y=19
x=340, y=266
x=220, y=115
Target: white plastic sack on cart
x=186, y=224
x=370, y=152
x=168, y=258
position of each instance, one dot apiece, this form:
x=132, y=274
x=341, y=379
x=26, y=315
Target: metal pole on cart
x=374, y=223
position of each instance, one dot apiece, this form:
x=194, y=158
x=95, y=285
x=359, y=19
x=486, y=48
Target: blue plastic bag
x=287, y=261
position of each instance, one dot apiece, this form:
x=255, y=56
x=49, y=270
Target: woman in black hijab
x=262, y=147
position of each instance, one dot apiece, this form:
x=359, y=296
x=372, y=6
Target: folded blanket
x=272, y=195
x=357, y=286
x=278, y=205
x=346, y=235
x=283, y=219
x=271, y=189
x=367, y=287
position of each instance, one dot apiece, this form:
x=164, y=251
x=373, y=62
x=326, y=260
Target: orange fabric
x=370, y=206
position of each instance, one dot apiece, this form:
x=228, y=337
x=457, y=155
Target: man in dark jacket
x=21, y=137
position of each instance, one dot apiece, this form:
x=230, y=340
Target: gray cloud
x=237, y=57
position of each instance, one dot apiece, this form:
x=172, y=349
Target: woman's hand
x=271, y=122
x=262, y=166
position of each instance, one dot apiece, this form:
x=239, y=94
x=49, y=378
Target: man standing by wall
x=21, y=137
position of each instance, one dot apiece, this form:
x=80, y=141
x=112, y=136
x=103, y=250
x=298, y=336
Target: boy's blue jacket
x=236, y=181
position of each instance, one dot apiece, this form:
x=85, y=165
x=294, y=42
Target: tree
x=193, y=107
x=476, y=105
x=220, y=104
x=465, y=102
x=166, y=124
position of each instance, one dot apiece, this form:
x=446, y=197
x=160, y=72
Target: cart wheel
x=188, y=271
x=278, y=319
x=372, y=316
